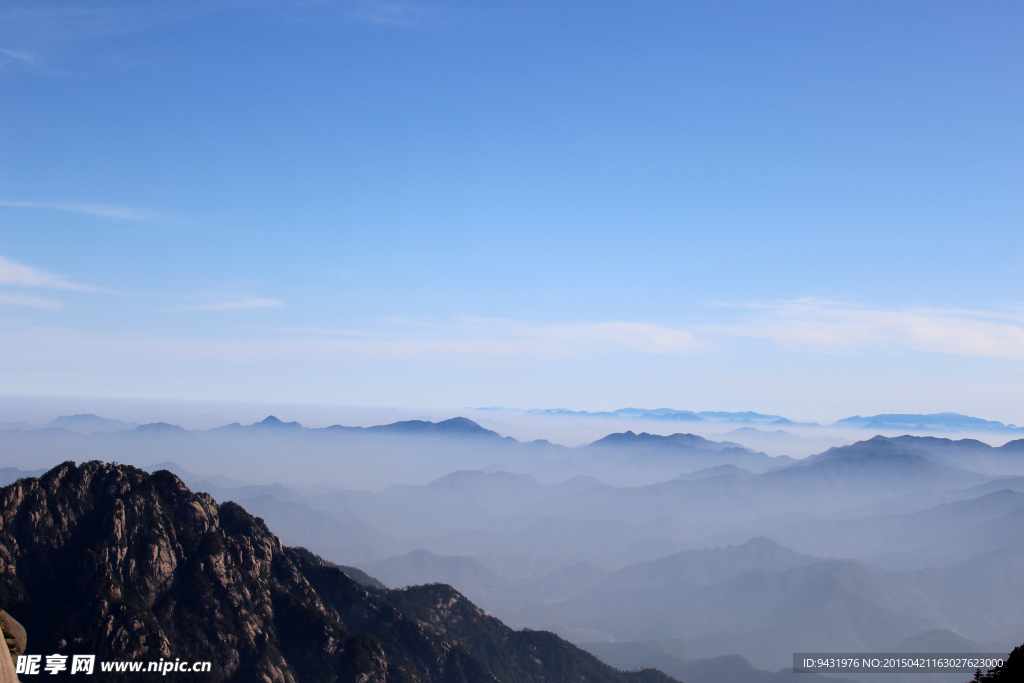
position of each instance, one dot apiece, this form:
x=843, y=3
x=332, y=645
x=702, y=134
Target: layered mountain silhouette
x=9, y=475
x=687, y=451
x=666, y=414
x=866, y=557
x=109, y=560
x=934, y=422
x=629, y=439
x=415, y=451
x=370, y=457
x=778, y=441
x=965, y=454
x=828, y=606
x=913, y=540
x=457, y=426
x=268, y=424
x=706, y=566
x=766, y=602
x=486, y=587
x=336, y=534
x=422, y=567
x=672, y=656
x=525, y=528
x=942, y=421
x=88, y=424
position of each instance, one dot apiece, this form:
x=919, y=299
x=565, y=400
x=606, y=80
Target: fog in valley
x=674, y=539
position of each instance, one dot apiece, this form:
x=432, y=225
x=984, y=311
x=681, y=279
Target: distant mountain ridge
x=456, y=426
x=671, y=658
x=629, y=438
x=545, y=550
x=707, y=566
x=413, y=449
x=965, y=454
x=420, y=567
x=88, y=423
x=687, y=451
x=671, y=415
x=930, y=421
x=882, y=422
x=766, y=614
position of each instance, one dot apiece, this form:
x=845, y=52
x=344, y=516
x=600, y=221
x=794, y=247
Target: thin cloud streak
x=22, y=56
x=823, y=326
x=20, y=275
x=641, y=337
x=29, y=300
x=30, y=20
x=125, y=213
x=497, y=336
x=49, y=26
x=480, y=339
x=235, y=305
x=805, y=325
x=391, y=13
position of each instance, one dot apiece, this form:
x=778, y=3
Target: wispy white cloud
x=53, y=39
x=604, y=336
x=496, y=337
x=805, y=326
x=21, y=56
x=43, y=36
x=20, y=275
x=29, y=300
x=234, y=305
x=47, y=23
x=394, y=13
x=114, y=211
x=40, y=27
x=466, y=339
x=835, y=327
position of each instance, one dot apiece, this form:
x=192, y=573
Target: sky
x=800, y=208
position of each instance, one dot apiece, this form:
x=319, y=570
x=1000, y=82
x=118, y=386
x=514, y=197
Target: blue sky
x=804, y=208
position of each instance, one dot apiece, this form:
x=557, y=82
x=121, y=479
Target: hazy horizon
x=522, y=424
x=805, y=212
x=665, y=546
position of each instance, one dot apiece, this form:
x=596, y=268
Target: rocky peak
x=108, y=560
x=105, y=559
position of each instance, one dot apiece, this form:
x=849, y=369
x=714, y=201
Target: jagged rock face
x=514, y=656
x=108, y=560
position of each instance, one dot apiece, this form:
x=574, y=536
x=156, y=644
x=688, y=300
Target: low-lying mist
x=664, y=545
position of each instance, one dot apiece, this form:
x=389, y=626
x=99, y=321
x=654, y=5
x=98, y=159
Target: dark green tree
x=1012, y=670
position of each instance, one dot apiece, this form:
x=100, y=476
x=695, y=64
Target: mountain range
x=634, y=537
x=518, y=526
x=371, y=457
x=765, y=601
x=668, y=414
x=111, y=561
x=941, y=422
x=924, y=422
